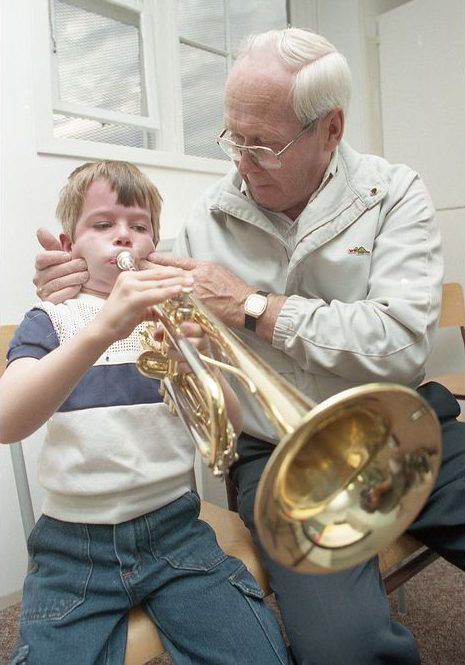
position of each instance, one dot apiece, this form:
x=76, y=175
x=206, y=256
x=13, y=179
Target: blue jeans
x=209, y=609
x=344, y=618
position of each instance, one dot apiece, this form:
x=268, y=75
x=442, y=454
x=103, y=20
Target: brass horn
x=348, y=476
x=196, y=398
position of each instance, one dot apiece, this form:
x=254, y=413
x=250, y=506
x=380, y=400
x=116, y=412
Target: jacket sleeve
x=388, y=333
x=181, y=246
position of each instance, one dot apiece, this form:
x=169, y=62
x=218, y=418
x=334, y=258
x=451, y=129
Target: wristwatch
x=254, y=307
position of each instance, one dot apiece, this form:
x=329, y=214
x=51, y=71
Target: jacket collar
x=358, y=183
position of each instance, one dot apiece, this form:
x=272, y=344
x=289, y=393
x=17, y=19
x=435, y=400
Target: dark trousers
x=345, y=617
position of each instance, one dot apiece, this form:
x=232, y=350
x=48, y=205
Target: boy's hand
x=57, y=277
x=196, y=336
x=133, y=296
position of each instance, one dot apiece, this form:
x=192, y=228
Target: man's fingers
x=64, y=294
x=51, y=258
x=48, y=240
x=167, y=260
x=51, y=289
x=60, y=266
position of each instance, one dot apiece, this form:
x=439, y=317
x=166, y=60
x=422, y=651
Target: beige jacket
x=364, y=280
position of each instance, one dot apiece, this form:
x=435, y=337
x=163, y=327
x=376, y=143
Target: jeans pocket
x=184, y=541
x=243, y=580
x=58, y=580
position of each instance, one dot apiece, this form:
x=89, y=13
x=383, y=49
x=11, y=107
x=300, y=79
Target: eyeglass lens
x=264, y=157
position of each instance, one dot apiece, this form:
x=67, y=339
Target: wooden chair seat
x=143, y=641
x=453, y=316
x=453, y=382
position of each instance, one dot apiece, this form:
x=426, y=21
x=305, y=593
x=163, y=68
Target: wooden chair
x=400, y=561
x=453, y=315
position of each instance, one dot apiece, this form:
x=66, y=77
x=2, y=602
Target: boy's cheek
x=75, y=251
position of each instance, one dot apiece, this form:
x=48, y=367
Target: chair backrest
x=16, y=450
x=453, y=306
x=6, y=333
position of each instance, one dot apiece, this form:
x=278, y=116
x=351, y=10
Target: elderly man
x=327, y=262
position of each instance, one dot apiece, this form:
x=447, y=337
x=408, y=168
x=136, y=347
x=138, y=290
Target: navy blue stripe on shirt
x=104, y=385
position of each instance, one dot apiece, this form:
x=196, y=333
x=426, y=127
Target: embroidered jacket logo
x=359, y=250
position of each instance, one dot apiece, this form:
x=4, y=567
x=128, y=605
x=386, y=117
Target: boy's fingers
x=162, y=272
x=153, y=284
x=191, y=329
x=48, y=240
x=160, y=259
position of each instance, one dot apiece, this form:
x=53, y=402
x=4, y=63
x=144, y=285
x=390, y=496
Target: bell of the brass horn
x=349, y=475
x=349, y=479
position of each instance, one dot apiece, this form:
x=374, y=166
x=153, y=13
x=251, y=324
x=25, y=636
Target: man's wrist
x=266, y=323
x=254, y=307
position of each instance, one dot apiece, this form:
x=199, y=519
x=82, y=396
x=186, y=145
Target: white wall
x=422, y=60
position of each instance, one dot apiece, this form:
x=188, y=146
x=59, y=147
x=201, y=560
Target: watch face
x=255, y=304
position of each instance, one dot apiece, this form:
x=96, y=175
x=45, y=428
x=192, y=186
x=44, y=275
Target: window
x=210, y=31
x=141, y=80
x=99, y=87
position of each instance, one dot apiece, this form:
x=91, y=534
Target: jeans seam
x=149, y=534
x=86, y=583
x=121, y=574
x=251, y=599
x=263, y=627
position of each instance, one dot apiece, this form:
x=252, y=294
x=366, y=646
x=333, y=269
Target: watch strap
x=250, y=322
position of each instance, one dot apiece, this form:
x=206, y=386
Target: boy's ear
x=66, y=242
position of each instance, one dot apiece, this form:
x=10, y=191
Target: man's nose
x=247, y=163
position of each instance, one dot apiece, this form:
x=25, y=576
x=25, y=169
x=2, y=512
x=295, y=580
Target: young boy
x=120, y=523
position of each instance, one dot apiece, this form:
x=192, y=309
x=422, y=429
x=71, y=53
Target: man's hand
x=218, y=288
x=57, y=277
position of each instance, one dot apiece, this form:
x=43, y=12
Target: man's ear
x=66, y=242
x=335, y=128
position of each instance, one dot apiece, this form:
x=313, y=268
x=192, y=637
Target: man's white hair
x=322, y=80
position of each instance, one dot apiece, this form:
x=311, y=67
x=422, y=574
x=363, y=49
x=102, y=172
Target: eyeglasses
x=260, y=155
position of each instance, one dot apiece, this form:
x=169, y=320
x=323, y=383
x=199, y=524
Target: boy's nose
x=124, y=241
x=122, y=237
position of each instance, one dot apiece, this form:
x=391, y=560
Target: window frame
x=160, y=49
x=161, y=64
x=122, y=10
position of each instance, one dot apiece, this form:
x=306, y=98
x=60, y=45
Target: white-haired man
x=327, y=262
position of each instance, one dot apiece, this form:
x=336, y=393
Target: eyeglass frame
x=277, y=155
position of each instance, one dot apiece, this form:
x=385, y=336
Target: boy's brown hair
x=125, y=179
